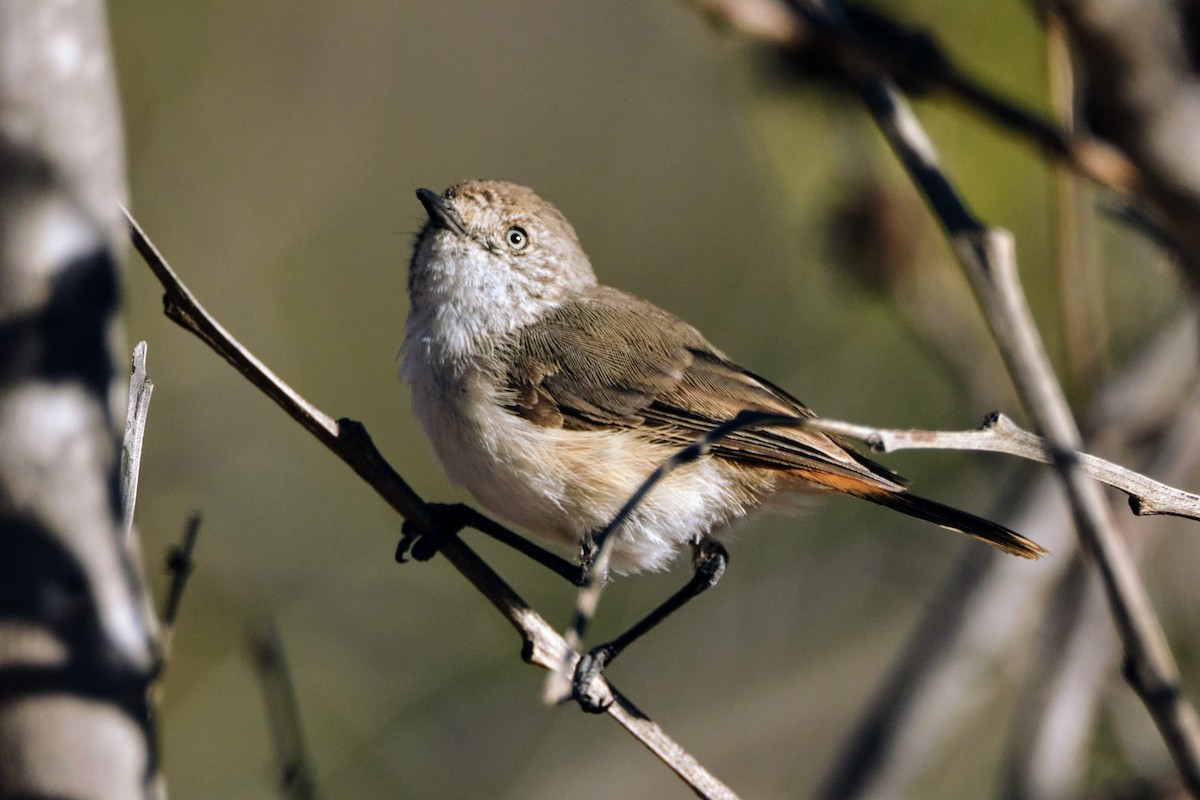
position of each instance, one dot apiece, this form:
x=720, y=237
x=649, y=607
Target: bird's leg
x=450, y=518
x=709, y=561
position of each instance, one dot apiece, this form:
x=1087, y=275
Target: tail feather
x=996, y=535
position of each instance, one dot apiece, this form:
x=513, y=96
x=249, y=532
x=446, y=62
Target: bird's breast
x=566, y=484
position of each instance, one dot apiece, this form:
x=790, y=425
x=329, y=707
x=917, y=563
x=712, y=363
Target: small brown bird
x=551, y=397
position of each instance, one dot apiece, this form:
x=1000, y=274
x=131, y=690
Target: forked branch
x=988, y=258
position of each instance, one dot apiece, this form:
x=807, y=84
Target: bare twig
x=999, y=434
x=349, y=441
x=1060, y=698
x=297, y=778
x=137, y=410
x=987, y=257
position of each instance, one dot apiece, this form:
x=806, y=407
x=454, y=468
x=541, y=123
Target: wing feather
x=609, y=360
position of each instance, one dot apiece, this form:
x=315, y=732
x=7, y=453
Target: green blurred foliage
x=273, y=152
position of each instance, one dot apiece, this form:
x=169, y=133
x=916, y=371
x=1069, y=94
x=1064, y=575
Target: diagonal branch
x=989, y=262
x=349, y=440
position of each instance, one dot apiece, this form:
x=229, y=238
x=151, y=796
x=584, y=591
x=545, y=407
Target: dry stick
x=999, y=434
x=989, y=262
x=140, y=389
x=349, y=440
x=136, y=414
x=913, y=56
x=297, y=778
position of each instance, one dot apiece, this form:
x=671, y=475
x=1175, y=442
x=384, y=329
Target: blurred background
x=274, y=148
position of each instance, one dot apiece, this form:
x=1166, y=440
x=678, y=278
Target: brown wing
x=611, y=360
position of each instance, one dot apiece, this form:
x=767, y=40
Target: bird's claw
x=591, y=665
x=425, y=542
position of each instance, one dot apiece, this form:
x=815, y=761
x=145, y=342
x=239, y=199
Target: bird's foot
x=424, y=543
x=591, y=665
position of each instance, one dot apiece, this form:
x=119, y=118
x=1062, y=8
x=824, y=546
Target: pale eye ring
x=516, y=237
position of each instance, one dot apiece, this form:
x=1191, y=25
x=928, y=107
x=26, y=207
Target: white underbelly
x=563, y=485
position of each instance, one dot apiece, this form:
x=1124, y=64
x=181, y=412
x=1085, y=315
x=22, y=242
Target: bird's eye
x=517, y=238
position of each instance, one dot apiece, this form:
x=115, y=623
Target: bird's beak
x=441, y=214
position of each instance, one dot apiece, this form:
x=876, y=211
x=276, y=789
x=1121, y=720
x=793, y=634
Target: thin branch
x=988, y=259
x=913, y=57
x=140, y=389
x=999, y=434
x=181, y=307
x=350, y=441
x=297, y=778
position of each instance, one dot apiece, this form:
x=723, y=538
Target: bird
x=550, y=397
